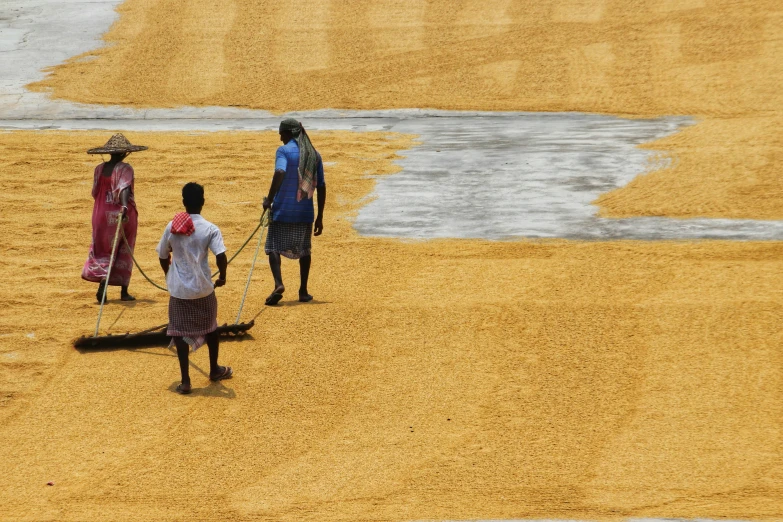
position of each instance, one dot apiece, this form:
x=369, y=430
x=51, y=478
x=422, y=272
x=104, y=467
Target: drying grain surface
x=428, y=380
x=720, y=60
x=719, y=57
x=725, y=168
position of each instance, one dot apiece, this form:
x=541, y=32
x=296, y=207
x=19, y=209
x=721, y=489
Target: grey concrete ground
x=35, y=34
x=530, y=175
x=479, y=175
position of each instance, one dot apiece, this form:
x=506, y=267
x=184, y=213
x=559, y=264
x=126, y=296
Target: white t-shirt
x=189, y=275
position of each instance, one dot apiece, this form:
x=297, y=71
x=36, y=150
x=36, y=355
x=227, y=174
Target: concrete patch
x=35, y=34
x=530, y=175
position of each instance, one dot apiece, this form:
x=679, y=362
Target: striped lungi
x=292, y=240
x=192, y=318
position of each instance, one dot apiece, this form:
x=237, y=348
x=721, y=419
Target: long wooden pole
x=108, y=271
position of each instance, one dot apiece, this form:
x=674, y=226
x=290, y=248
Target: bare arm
x=222, y=264
x=164, y=264
x=319, y=219
x=124, y=197
x=277, y=180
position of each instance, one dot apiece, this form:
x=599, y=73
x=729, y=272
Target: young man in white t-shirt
x=192, y=302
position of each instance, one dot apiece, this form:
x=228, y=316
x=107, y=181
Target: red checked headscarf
x=182, y=224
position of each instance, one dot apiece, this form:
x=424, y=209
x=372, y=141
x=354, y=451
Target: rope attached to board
x=265, y=223
x=156, y=285
x=153, y=283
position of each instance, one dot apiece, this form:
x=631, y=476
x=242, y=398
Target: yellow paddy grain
x=429, y=380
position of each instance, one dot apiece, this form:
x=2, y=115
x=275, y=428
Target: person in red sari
x=112, y=189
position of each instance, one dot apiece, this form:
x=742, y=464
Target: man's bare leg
x=274, y=266
x=182, y=354
x=216, y=372
x=304, y=274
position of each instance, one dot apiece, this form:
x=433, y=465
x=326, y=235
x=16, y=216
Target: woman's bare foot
x=125, y=296
x=99, y=293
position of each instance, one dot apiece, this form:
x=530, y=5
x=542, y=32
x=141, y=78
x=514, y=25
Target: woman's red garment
x=105, y=214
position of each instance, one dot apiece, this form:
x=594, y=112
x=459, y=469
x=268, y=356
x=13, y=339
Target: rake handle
x=108, y=271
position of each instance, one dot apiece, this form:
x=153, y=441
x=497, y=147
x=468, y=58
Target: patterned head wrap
x=182, y=224
x=308, y=158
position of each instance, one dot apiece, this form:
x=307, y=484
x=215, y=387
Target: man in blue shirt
x=299, y=173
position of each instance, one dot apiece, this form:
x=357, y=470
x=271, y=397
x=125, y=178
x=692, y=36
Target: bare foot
x=99, y=293
x=275, y=296
x=273, y=299
x=224, y=372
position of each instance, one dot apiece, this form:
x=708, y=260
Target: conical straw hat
x=117, y=143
